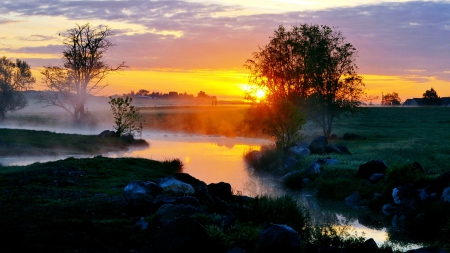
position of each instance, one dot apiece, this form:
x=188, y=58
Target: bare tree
x=83, y=70
x=14, y=77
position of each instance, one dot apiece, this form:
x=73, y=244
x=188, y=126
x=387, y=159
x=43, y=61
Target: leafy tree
x=14, y=77
x=432, y=97
x=126, y=116
x=313, y=67
x=83, y=69
x=283, y=122
x=391, y=99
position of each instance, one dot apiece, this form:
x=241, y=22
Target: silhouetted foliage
x=313, y=67
x=14, y=77
x=391, y=99
x=83, y=69
x=432, y=97
x=126, y=116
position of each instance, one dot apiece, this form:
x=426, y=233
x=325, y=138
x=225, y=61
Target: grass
x=16, y=142
x=65, y=205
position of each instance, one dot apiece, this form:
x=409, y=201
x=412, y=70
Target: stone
x=302, y=144
x=319, y=145
x=333, y=149
x=161, y=200
x=376, y=177
x=387, y=209
x=331, y=161
x=107, y=133
x=139, y=197
x=370, y=246
x=367, y=169
x=299, y=151
x=168, y=212
x=221, y=190
x=278, y=238
x=446, y=195
x=290, y=162
x=170, y=184
x=404, y=195
x=180, y=235
x=354, y=199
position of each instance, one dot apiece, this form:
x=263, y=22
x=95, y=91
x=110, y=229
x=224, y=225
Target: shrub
x=268, y=159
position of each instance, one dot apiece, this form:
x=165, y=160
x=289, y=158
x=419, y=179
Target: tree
x=283, y=122
x=83, y=69
x=126, y=116
x=391, y=99
x=313, y=67
x=14, y=77
x=432, y=97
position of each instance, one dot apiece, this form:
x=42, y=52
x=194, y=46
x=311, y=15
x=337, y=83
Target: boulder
x=278, y=238
x=161, y=200
x=221, y=190
x=290, y=162
x=168, y=212
x=302, y=144
x=334, y=137
x=333, y=149
x=404, y=195
x=343, y=149
x=367, y=169
x=107, y=133
x=370, y=246
x=180, y=235
x=376, y=177
x=319, y=145
x=446, y=195
x=170, y=184
x=299, y=151
x=139, y=197
x=354, y=199
x=331, y=161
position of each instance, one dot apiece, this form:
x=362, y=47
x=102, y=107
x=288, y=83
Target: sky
x=198, y=45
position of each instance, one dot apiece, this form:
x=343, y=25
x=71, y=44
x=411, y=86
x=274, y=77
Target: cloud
x=6, y=21
x=36, y=37
x=390, y=37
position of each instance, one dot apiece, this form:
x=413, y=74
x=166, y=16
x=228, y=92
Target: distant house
x=444, y=101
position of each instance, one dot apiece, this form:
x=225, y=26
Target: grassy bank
x=17, y=142
x=72, y=204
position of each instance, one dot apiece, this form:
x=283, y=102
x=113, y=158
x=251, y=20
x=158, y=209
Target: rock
x=236, y=250
x=343, y=149
x=142, y=224
x=425, y=250
x=180, y=235
x=404, y=195
x=107, y=133
x=299, y=151
x=170, y=184
x=168, y=212
x=352, y=137
x=354, y=199
x=278, y=238
x=398, y=221
x=221, y=190
x=388, y=209
x=331, y=161
x=333, y=149
x=290, y=162
x=367, y=169
x=319, y=145
x=446, y=195
x=139, y=197
x=302, y=144
x=200, y=187
x=161, y=200
x=442, y=182
x=376, y=177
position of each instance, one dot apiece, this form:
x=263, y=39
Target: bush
x=336, y=184
x=267, y=160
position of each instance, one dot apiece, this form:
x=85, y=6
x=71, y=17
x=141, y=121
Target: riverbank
x=21, y=142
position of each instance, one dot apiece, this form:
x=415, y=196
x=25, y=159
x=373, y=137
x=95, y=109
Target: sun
x=260, y=94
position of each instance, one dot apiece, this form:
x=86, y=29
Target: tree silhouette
x=432, y=97
x=313, y=67
x=14, y=77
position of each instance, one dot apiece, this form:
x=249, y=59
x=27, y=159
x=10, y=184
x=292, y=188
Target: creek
x=214, y=159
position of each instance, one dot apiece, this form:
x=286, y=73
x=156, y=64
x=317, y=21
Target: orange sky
x=188, y=46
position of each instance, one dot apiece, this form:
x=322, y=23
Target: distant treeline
x=171, y=95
